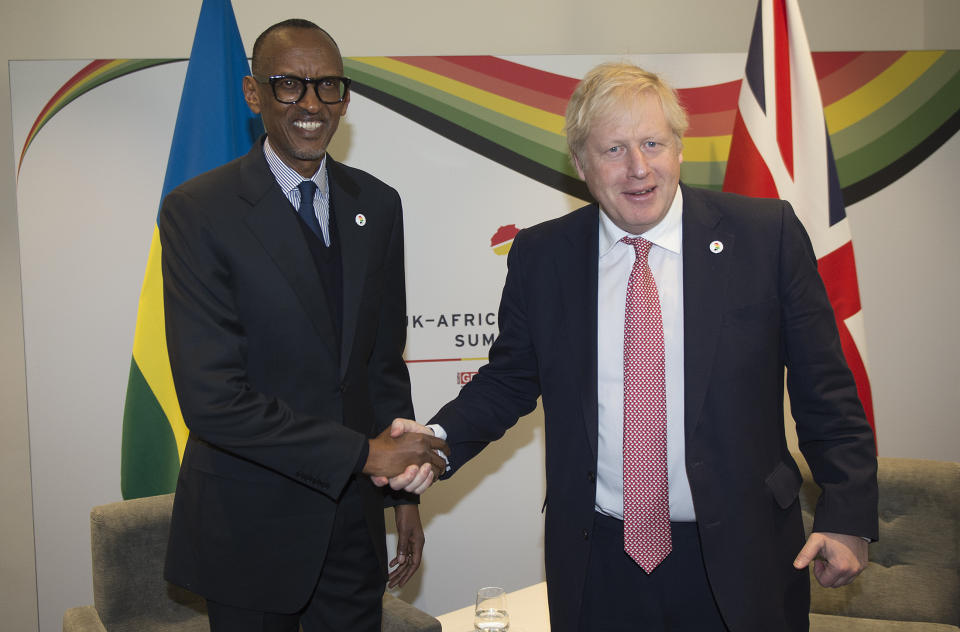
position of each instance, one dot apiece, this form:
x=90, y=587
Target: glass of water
x=491, y=612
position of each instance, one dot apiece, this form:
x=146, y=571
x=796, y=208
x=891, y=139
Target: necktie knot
x=307, y=190
x=640, y=245
x=306, y=211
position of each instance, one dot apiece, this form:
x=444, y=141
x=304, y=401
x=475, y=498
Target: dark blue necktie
x=307, y=214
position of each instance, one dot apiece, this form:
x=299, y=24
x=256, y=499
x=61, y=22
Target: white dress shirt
x=615, y=264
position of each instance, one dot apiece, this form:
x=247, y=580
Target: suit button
x=591, y=476
x=586, y=534
x=343, y=387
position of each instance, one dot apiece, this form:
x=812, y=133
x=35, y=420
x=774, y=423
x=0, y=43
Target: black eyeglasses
x=289, y=89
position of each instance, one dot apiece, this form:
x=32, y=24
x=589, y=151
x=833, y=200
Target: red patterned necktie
x=646, y=503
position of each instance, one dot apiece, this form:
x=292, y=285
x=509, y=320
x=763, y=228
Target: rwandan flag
x=214, y=126
x=781, y=148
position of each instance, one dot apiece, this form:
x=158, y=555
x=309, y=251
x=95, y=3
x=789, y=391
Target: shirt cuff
x=442, y=434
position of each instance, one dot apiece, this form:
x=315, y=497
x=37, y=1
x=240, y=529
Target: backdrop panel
x=472, y=166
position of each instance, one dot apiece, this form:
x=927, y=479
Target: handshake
x=407, y=456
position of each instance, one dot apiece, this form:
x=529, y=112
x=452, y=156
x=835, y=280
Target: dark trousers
x=348, y=594
x=620, y=597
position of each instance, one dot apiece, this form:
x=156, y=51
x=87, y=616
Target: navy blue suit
x=749, y=311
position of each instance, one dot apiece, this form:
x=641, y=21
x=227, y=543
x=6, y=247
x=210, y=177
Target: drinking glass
x=491, y=612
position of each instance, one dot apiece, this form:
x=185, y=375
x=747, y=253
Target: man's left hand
x=837, y=558
x=409, y=545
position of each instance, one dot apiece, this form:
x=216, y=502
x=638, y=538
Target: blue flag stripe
x=754, y=70
x=214, y=124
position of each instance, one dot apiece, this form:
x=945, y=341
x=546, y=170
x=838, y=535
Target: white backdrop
x=87, y=200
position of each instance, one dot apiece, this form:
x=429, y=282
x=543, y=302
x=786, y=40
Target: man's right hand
x=397, y=451
x=413, y=479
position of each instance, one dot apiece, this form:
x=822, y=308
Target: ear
x=250, y=94
x=346, y=102
x=578, y=166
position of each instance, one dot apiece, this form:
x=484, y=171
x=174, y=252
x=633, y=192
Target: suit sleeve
x=832, y=429
x=387, y=373
x=388, y=376
x=207, y=347
x=507, y=387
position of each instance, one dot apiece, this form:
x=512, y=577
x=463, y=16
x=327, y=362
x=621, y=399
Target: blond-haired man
x=657, y=324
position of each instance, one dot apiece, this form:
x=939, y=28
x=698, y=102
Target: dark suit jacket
x=279, y=408
x=749, y=311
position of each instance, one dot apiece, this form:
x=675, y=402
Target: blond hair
x=609, y=85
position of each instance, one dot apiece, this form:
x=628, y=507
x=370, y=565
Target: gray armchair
x=912, y=583
x=128, y=541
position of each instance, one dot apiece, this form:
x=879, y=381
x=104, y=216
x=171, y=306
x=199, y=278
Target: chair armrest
x=82, y=619
x=399, y=616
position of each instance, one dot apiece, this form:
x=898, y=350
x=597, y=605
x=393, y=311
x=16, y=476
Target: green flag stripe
x=149, y=461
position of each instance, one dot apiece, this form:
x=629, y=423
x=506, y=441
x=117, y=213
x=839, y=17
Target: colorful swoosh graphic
x=94, y=74
x=886, y=111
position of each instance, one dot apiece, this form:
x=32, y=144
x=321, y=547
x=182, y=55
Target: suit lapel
x=705, y=277
x=354, y=249
x=577, y=265
x=273, y=222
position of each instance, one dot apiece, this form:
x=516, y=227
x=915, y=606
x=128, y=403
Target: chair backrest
x=129, y=543
x=128, y=540
x=914, y=570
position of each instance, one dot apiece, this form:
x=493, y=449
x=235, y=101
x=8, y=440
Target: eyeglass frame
x=305, y=82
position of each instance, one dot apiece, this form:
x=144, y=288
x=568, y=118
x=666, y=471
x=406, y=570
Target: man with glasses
x=285, y=310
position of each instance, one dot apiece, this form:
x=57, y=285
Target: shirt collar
x=666, y=234
x=287, y=178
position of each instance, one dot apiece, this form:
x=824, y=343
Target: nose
x=310, y=101
x=637, y=163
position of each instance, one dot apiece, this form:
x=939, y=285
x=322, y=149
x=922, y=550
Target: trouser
x=348, y=594
x=619, y=596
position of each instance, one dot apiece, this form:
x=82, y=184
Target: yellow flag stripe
x=150, y=345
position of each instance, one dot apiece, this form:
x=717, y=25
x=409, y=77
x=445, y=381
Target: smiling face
x=630, y=161
x=299, y=132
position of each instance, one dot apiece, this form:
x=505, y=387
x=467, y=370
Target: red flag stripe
x=747, y=172
x=859, y=370
x=781, y=41
x=839, y=272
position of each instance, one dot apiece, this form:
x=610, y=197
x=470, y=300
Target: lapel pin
x=360, y=219
x=716, y=247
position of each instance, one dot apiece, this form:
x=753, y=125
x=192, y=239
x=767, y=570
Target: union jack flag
x=781, y=148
